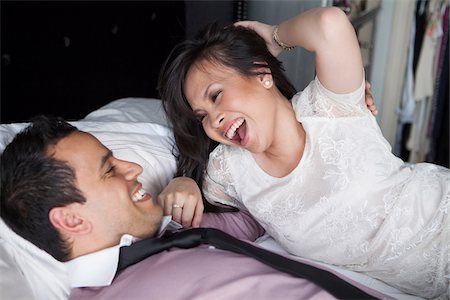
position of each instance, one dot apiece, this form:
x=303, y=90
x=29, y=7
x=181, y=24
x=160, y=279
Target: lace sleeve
x=317, y=101
x=219, y=186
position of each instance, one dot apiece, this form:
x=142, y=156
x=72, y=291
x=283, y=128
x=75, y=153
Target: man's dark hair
x=33, y=182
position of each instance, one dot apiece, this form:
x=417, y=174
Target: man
x=65, y=192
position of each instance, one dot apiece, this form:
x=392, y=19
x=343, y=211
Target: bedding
x=134, y=129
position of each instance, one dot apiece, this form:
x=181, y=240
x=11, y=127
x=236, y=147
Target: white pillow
x=28, y=272
x=130, y=110
x=125, y=127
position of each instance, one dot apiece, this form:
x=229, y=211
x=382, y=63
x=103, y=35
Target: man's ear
x=68, y=221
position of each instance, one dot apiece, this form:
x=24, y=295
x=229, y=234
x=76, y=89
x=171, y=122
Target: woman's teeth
x=232, y=131
x=139, y=195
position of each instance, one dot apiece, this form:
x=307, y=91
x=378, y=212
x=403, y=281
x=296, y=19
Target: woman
x=315, y=171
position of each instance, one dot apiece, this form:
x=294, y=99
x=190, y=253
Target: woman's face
x=234, y=109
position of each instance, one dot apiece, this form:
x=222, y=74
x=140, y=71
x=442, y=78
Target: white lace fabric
x=350, y=201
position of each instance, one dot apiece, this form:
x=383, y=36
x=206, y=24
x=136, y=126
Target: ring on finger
x=177, y=206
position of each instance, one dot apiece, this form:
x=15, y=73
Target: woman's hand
x=265, y=31
x=182, y=199
x=369, y=100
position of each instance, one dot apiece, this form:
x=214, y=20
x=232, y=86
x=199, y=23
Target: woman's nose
x=217, y=121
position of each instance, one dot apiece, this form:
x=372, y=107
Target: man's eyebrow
x=105, y=159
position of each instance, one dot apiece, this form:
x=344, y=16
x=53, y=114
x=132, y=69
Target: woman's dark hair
x=236, y=47
x=33, y=182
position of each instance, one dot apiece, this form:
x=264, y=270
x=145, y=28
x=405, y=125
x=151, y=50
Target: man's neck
x=89, y=244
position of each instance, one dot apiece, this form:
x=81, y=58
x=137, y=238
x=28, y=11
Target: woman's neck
x=286, y=150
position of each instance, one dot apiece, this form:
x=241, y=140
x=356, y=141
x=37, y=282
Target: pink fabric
x=203, y=273
x=240, y=224
x=208, y=273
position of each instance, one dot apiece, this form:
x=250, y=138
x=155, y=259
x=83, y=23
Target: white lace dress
x=350, y=201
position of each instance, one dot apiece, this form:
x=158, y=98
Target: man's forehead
x=78, y=148
x=72, y=139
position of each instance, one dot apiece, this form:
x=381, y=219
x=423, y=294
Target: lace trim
x=317, y=101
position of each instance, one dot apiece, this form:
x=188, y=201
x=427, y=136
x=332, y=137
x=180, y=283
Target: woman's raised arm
x=329, y=34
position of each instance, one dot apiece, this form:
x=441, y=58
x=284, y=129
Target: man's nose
x=131, y=170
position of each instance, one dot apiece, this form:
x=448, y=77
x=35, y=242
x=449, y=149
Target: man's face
x=116, y=203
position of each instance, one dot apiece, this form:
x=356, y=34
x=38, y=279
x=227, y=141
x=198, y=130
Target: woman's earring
x=267, y=83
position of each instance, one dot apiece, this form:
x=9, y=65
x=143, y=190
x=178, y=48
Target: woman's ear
x=264, y=77
x=68, y=221
x=266, y=80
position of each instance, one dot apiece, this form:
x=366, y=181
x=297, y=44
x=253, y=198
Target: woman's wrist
x=278, y=41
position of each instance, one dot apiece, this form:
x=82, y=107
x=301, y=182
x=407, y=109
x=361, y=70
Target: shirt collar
x=98, y=269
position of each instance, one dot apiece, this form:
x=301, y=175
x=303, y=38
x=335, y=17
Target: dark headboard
x=68, y=58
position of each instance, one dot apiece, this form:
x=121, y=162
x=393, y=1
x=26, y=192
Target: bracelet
x=277, y=40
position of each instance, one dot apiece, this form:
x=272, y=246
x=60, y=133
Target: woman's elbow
x=335, y=24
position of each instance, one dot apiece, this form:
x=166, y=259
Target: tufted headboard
x=69, y=58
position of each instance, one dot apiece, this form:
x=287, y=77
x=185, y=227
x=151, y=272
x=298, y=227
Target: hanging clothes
x=438, y=129
x=408, y=103
x=424, y=83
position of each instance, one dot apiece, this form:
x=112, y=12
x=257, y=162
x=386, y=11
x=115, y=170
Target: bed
x=134, y=129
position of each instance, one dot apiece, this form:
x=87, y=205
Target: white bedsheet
x=269, y=243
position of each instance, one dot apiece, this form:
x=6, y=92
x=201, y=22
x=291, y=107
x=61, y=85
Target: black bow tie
x=219, y=239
